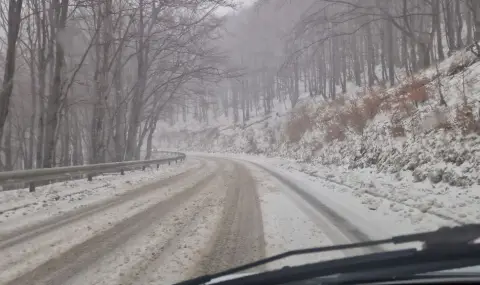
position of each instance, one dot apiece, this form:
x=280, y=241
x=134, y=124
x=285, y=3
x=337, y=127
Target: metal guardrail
x=43, y=174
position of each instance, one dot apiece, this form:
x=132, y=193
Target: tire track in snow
x=291, y=229
x=80, y=256
x=239, y=237
x=345, y=227
x=188, y=231
x=26, y=256
x=24, y=234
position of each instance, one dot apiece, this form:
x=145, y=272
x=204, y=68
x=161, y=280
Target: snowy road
x=210, y=215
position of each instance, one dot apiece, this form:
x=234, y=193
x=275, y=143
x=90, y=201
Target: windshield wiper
x=445, y=248
x=379, y=266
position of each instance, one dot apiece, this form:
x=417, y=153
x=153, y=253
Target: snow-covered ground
x=164, y=252
x=376, y=204
x=168, y=231
x=192, y=223
x=44, y=246
x=290, y=229
x=19, y=208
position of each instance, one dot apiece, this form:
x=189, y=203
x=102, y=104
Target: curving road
x=212, y=215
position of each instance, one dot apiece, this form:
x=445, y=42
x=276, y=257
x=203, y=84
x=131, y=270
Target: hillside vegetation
x=393, y=129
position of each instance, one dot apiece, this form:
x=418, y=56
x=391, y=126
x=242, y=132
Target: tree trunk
x=449, y=19
x=476, y=19
x=54, y=100
x=151, y=123
x=42, y=72
x=370, y=56
x=459, y=24
x=8, y=147
x=66, y=139
x=438, y=29
x=343, y=67
x=404, y=52
x=382, y=52
x=13, y=22
x=413, y=55
x=76, y=146
x=236, y=116
x=99, y=146
x=295, y=94
x=390, y=51
x=424, y=51
x=323, y=74
x=468, y=22
x=120, y=116
x=33, y=90
x=148, y=154
x=134, y=120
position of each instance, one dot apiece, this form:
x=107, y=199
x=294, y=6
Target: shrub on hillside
x=412, y=84
x=299, y=122
x=405, y=107
x=418, y=95
x=415, y=90
x=371, y=104
x=334, y=132
x=465, y=120
x=355, y=118
x=342, y=118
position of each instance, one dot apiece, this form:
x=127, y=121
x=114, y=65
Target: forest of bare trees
x=86, y=81
x=328, y=47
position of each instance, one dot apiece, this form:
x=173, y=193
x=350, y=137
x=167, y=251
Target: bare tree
x=12, y=31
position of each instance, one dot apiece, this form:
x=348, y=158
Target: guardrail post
x=89, y=177
x=31, y=187
x=122, y=172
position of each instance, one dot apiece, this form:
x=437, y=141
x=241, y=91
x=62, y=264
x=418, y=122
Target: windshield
x=151, y=142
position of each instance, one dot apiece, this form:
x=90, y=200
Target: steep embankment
x=403, y=133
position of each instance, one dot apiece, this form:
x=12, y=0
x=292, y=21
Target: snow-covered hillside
x=401, y=138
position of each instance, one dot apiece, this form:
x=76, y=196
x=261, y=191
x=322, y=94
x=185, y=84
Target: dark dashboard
x=435, y=278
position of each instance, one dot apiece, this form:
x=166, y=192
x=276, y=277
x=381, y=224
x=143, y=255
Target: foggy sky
x=243, y=3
